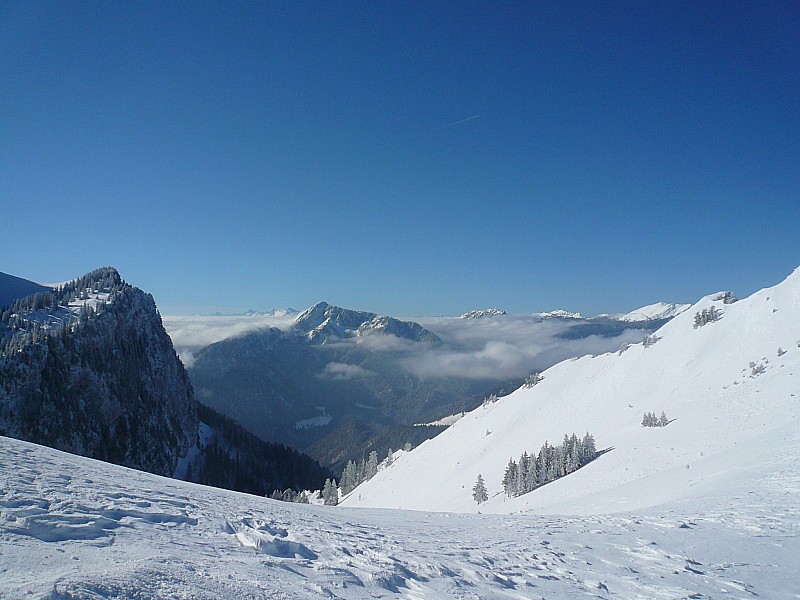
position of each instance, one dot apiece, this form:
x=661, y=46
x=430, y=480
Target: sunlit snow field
x=74, y=527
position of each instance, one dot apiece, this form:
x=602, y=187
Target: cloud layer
x=190, y=334
x=500, y=347
x=335, y=370
x=504, y=346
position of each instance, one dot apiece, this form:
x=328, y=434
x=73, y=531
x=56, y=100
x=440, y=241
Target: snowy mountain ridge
x=559, y=314
x=323, y=322
x=729, y=385
x=651, y=312
x=484, y=312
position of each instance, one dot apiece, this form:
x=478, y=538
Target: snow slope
x=653, y=312
x=730, y=421
x=72, y=527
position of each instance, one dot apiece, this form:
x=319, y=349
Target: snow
x=560, y=314
x=726, y=420
x=483, y=312
x=705, y=507
x=53, y=318
x=445, y=421
x=205, y=436
x=651, y=312
x=73, y=527
x=55, y=285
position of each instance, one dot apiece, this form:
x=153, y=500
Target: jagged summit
x=323, y=322
x=484, y=312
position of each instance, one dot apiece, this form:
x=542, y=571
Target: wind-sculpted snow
x=72, y=527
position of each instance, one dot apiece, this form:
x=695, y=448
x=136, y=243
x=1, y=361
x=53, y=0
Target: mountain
x=323, y=322
x=89, y=369
x=484, y=312
x=704, y=507
x=331, y=386
x=13, y=288
x=340, y=383
x=725, y=375
x=560, y=314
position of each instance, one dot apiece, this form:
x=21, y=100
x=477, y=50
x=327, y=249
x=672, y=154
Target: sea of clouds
x=497, y=347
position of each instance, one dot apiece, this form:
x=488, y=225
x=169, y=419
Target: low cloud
x=186, y=356
x=387, y=342
x=335, y=370
x=504, y=347
x=190, y=334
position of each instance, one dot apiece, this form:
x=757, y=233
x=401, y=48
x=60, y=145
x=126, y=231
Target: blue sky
x=234, y=155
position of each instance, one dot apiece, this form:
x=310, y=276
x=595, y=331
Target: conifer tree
x=479, y=493
x=372, y=466
x=330, y=494
x=510, y=478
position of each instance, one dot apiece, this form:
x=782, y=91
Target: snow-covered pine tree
x=349, y=477
x=650, y=339
x=510, y=478
x=522, y=477
x=372, y=466
x=532, y=379
x=589, y=449
x=479, y=493
x=330, y=493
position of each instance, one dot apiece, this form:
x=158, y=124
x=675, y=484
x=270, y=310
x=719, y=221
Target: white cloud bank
x=504, y=346
x=499, y=347
x=191, y=333
x=335, y=370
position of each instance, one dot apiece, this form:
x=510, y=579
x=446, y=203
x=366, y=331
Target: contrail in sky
x=458, y=122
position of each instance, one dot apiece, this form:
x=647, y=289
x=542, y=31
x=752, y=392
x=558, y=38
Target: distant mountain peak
x=324, y=321
x=560, y=314
x=483, y=312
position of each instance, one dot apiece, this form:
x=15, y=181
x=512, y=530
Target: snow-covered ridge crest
x=653, y=312
x=559, y=314
x=726, y=387
x=324, y=322
x=484, y=312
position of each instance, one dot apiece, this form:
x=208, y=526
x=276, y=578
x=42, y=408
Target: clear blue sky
x=232, y=155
